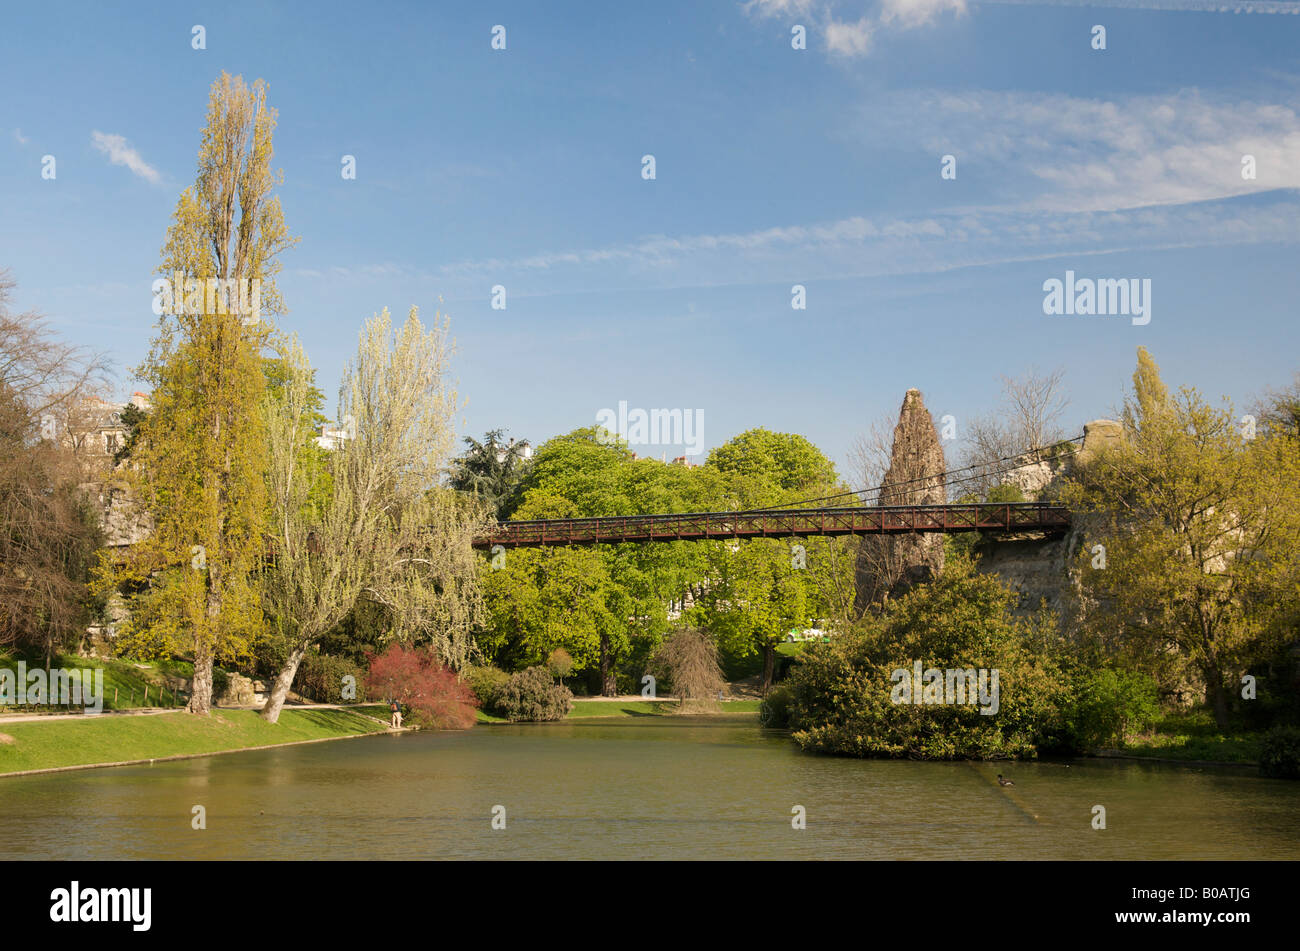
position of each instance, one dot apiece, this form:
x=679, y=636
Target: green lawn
x=84, y=740
x=586, y=709
x=1193, y=735
x=124, y=682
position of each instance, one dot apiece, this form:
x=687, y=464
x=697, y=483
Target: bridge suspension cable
x=862, y=494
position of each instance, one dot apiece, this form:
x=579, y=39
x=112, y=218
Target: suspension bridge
x=807, y=519
x=782, y=523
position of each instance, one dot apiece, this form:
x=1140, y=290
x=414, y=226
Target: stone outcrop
x=122, y=521
x=890, y=564
x=239, y=691
x=1040, y=570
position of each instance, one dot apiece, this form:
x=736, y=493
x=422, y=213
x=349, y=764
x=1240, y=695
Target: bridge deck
x=788, y=523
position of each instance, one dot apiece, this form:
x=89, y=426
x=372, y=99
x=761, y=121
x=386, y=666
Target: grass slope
x=128, y=679
x=82, y=741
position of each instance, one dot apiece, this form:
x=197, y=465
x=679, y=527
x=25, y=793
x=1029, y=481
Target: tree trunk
x=1216, y=697
x=201, y=689
x=280, y=689
x=769, y=666
x=608, y=683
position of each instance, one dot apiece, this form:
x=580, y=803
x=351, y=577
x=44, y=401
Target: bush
x=320, y=678
x=419, y=680
x=485, y=682
x=1279, y=755
x=843, y=692
x=531, y=695
x=1106, y=705
x=774, y=712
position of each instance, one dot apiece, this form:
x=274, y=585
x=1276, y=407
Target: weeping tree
x=688, y=660
x=370, y=520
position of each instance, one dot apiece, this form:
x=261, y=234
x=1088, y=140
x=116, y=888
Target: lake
x=638, y=788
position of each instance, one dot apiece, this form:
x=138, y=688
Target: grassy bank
x=125, y=683
x=86, y=740
x=588, y=709
x=1193, y=735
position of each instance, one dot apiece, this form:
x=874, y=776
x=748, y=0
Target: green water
x=652, y=787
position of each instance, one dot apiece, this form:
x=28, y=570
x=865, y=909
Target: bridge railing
x=781, y=523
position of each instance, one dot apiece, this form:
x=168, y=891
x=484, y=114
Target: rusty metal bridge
x=995, y=517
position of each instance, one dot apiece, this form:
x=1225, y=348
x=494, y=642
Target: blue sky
x=774, y=167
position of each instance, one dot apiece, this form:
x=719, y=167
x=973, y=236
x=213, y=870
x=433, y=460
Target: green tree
x=491, y=469
x=606, y=605
x=383, y=527
x=1200, y=529
x=199, y=467
x=758, y=590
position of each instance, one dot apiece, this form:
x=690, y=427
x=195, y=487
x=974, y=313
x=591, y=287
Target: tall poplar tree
x=200, y=468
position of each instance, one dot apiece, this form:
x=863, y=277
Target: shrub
x=320, y=678
x=418, y=679
x=774, y=712
x=843, y=692
x=1279, y=755
x=531, y=695
x=485, y=682
x=1105, y=706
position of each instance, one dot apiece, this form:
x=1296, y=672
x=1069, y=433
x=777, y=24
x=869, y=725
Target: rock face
x=123, y=522
x=239, y=691
x=1040, y=569
x=890, y=564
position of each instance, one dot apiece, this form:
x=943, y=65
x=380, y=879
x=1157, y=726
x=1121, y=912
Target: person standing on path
x=397, y=715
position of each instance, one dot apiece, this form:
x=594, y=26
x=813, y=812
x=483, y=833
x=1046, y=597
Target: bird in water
x=1004, y=782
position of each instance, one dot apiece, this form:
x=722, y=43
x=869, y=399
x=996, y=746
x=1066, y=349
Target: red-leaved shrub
x=418, y=680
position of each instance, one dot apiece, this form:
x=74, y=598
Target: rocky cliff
x=890, y=564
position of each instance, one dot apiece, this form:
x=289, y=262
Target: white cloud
x=911, y=13
x=119, y=152
x=1066, y=153
x=1192, y=6
x=850, y=39
x=854, y=37
x=22, y=139
x=860, y=246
